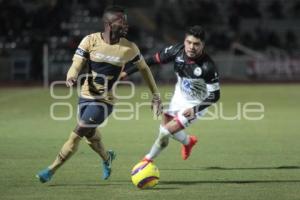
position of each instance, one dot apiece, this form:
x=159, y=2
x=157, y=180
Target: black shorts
x=93, y=113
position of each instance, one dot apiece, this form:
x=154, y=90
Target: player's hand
x=123, y=75
x=189, y=113
x=156, y=105
x=70, y=82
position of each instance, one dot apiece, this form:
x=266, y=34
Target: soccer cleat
x=187, y=149
x=45, y=175
x=107, y=164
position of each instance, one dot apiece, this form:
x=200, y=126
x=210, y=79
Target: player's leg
x=176, y=127
x=82, y=129
x=178, y=133
x=67, y=150
x=94, y=115
x=170, y=127
x=180, y=136
x=161, y=141
x=166, y=118
x=95, y=142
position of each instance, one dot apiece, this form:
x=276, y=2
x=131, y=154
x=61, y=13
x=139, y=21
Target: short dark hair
x=111, y=11
x=114, y=9
x=196, y=31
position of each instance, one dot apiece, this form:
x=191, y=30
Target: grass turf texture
x=234, y=159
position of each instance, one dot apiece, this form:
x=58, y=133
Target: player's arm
x=144, y=69
x=148, y=77
x=166, y=55
x=212, y=98
x=79, y=60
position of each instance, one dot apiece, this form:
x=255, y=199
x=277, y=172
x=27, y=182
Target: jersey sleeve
x=80, y=57
x=212, y=77
x=166, y=55
x=136, y=59
x=142, y=66
x=83, y=50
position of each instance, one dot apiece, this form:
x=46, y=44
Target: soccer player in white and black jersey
x=196, y=89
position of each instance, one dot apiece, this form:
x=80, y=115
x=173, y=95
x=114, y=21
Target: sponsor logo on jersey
x=194, y=88
x=186, y=84
x=107, y=58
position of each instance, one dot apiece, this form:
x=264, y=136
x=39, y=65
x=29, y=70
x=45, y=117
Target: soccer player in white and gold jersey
x=105, y=54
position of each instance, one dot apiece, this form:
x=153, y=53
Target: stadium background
x=256, y=47
x=250, y=40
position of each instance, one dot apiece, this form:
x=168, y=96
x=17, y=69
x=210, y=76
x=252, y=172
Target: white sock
x=160, y=143
x=181, y=137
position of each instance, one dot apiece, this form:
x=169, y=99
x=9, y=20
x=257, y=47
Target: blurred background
x=250, y=40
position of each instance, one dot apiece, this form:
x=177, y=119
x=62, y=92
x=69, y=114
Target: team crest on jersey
x=197, y=71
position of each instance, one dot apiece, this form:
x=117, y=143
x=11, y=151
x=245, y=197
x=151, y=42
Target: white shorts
x=178, y=105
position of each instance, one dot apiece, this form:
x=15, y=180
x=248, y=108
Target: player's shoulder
x=93, y=36
x=178, y=46
x=209, y=67
x=132, y=50
x=206, y=58
x=128, y=43
x=174, y=49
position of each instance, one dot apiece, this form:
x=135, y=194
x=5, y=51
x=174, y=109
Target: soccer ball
x=145, y=175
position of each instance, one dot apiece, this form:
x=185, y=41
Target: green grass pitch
x=234, y=159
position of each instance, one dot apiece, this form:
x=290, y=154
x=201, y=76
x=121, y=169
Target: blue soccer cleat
x=107, y=164
x=45, y=175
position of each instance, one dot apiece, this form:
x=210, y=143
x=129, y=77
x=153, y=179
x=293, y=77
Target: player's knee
x=164, y=142
x=163, y=137
x=163, y=131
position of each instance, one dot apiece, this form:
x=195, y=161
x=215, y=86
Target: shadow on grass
x=230, y=181
x=84, y=185
x=111, y=183
x=226, y=182
x=236, y=168
x=108, y=184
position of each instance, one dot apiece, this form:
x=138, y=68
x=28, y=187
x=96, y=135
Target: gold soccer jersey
x=105, y=62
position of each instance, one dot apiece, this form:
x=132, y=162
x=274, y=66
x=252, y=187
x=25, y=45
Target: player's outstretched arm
x=131, y=69
x=148, y=77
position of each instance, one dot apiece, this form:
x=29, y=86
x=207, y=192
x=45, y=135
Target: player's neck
x=200, y=55
x=109, y=38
